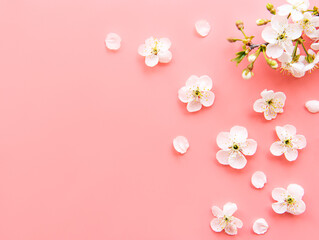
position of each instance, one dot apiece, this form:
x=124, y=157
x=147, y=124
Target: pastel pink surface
x=86, y=133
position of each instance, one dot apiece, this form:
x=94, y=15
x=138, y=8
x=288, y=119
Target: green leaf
x=239, y=57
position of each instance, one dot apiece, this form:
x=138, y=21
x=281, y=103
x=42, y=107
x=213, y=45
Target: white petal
x=164, y=44
x=181, y=144
x=315, y=46
x=222, y=156
x=312, y=106
x=224, y=140
x=260, y=105
x=279, y=207
x=217, y=224
x=260, y=226
x=249, y=147
x=113, y=41
x=205, y=83
x=299, y=141
x=291, y=154
x=237, y=160
x=279, y=194
x=270, y=113
x=185, y=95
x=284, y=10
x=279, y=101
x=207, y=99
x=274, y=50
x=194, y=106
x=295, y=190
x=291, y=130
x=217, y=212
x=296, y=15
x=277, y=148
x=297, y=208
x=237, y=222
x=258, y=179
x=269, y=35
x=267, y=95
x=151, y=60
x=231, y=229
x=229, y=209
x=279, y=23
x=192, y=80
x=202, y=27
x=164, y=56
x=238, y=134
x=294, y=31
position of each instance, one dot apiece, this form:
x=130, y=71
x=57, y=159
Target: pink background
x=86, y=133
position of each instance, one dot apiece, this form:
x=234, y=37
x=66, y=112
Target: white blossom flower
x=294, y=8
x=225, y=219
x=247, y=74
x=202, y=27
x=234, y=146
x=113, y=41
x=309, y=23
x=289, y=142
x=270, y=104
x=258, y=179
x=260, y=226
x=280, y=35
x=315, y=63
x=312, y=106
x=197, y=93
x=289, y=200
x=181, y=144
x=155, y=50
x=297, y=69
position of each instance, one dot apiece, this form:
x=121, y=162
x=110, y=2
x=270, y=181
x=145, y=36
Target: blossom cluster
x=292, y=27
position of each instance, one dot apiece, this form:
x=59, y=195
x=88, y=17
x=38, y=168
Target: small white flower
x=294, y=8
x=312, y=106
x=289, y=200
x=270, y=104
x=252, y=57
x=297, y=69
x=202, y=27
x=113, y=41
x=280, y=35
x=260, y=226
x=315, y=63
x=258, y=179
x=225, y=219
x=155, y=50
x=181, y=144
x=289, y=142
x=309, y=23
x=234, y=146
x=247, y=74
x=197, y=93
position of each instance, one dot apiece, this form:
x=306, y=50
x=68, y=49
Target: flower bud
x=261, y=22
x=272, y=63
x=239, y=24
x=252, y=57
x=269, y=6
x=231, y=40
x=309, y=58
x=247, y=74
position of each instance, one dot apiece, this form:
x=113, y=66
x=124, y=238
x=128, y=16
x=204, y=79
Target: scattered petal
x=202, y=27
x=113, y=41
x=260, y=226
x=258, y=179
x=181, y=144
x=312, y=106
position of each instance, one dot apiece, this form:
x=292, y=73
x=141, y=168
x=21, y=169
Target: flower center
x=197, y=93
x=269, y=102
x=155, y=50
x=287, y=142
x=226, y=218
x=282, y=36
x=235, y=147
x=290, y=200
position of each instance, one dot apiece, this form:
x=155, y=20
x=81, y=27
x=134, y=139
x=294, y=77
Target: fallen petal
x=202, y=27
x=312, y=106
x=113, y=41
x=181, y=144
x=260, y=226
x=258, y=179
